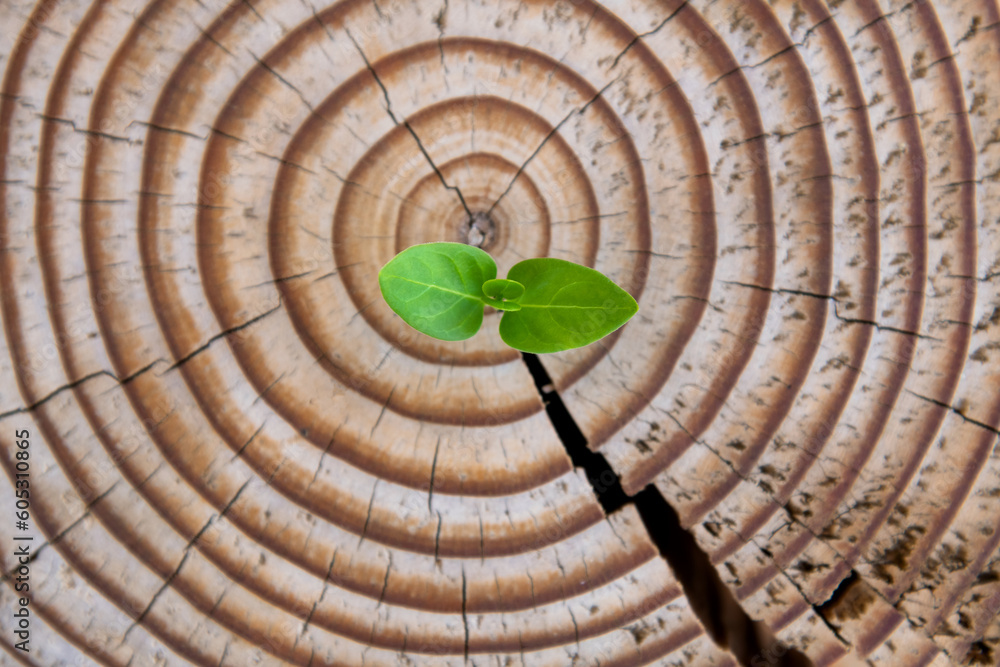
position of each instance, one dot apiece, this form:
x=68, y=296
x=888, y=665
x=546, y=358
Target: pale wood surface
x=241, y=456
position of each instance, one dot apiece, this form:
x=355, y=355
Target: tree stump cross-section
x=228, y=450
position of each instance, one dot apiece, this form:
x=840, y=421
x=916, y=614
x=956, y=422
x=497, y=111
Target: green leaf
x=503, y=294
x=502, y=305
x=500, y=288
x=437, y=288
x=565, y=305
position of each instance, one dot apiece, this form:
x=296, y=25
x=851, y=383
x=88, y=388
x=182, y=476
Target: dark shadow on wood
x=751, y=642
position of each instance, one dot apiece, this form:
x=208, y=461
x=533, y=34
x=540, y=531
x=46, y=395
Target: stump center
x=480, y=230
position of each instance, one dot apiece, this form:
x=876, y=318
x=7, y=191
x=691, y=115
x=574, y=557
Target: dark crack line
x=883, y=17
x=345, y=181
x=661, y=255
x=211, y=38
x=164, y=128
x=987, y=278
x=254, y=10
x=76, y=383
x=385, y=582
x=779, y=290
x=326, y=452
x=368, y=516
x=55, y=392
x=809, y=31
x=836, y=311
x=701, y=299
x=160, y=591
x=166, y=584
x=585, y=218
x=7, y=576
x=187, y=552
x=222, y=334
x=226, y=135
x=132, y=376
x=225, y=510
x=319, y=600
x=638, y=38
x=713, y=603
x=246, y=444
x=91, y=202
x=906, y=116
x=951, y=408
x=268, y=388
x=607, y=485
x=277, y=281
x=439, y=20
x=780, y=52
x=465, y=615
x=406, y=124
x=437, y=539
x=89, y=132
x=430, y=488
x=794, y=520
x=576, y=627
x=552, y=133
x=882, y=327
x=286, y=163
x=385, y=406
x=817, y=608
x=437, y=171
x=826, y=607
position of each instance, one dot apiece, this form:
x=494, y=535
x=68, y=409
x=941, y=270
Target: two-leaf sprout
x=549, y=305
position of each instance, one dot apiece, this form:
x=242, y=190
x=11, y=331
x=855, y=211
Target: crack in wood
x=836, y=312
x=709, y=597
x=579, y=111
x=409, y=128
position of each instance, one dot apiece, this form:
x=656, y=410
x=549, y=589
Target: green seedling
x=549, y=304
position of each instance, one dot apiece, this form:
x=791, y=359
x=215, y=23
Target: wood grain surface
x=241, y=456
